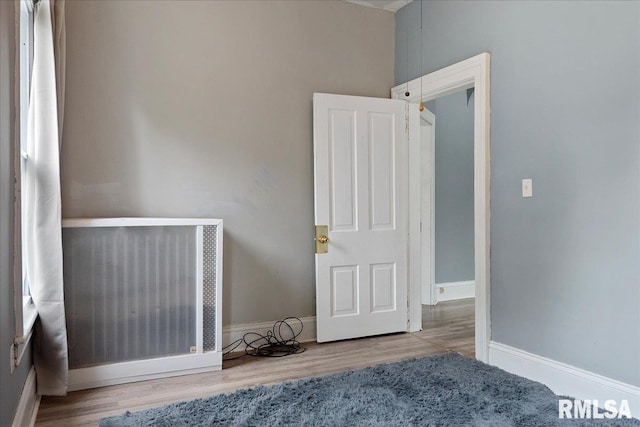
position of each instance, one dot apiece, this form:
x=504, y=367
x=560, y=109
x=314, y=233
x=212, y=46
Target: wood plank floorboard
x=448, y=326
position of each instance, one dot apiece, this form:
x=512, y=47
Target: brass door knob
x=321, y=239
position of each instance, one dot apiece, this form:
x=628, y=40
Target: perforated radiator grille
x=209, y=286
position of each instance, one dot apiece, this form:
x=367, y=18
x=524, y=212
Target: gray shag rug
x=442, y=390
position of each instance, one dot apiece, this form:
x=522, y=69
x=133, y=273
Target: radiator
x=142, y=298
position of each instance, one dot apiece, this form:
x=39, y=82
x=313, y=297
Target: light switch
x=527, y=187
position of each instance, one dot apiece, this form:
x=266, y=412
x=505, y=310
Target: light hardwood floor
x=446, y=327
x=450, y=324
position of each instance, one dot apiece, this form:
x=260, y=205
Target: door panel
x=342, y=164
x=383, y=285
x=360, y=180
x=344, y=291
x=381, y=171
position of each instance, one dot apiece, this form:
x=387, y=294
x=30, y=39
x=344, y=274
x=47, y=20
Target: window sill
x=29, y=316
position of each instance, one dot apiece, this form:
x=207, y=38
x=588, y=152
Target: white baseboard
x=27, y=410
x=563, y=379
x=455, y=290
x=232, y=333
x=143, y=370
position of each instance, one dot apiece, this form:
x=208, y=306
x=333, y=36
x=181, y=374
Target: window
x=29, y=312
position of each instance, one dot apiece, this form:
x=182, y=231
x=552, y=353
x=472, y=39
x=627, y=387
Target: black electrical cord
x=280, y=341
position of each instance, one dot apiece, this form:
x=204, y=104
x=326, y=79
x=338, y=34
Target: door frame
x=470, y=73
x=427, y=216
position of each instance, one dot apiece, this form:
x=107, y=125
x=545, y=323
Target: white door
x=361, y=195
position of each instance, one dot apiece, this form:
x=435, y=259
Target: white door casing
x=361, y=194
x=427, y=206
x=473, y=72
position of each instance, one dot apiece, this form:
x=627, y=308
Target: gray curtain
x=42, y=225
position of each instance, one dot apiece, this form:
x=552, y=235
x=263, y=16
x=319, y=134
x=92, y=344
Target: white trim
x=232, y=333
x=563, y=379
x=135, y=222
x=19, y=347
x=414, y=293
x=455, y=290
x=397, y=5
x=445, y=81
x=389, y=6
x=29, y=402
x=29, y=315
x=34, y=411
x=427, y=212
x=219, y=282
x=142, y=370
x=473, y=72
x=200, y=291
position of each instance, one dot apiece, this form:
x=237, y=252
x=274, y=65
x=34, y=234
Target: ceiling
x=390, y=5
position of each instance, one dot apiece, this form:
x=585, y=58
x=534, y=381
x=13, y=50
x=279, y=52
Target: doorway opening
x=446, y=181
x=473, y=73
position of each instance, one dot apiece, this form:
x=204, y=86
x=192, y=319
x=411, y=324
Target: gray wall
x=565, y=109
x=11, y=384
x=454, y=188
x=203, y=109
